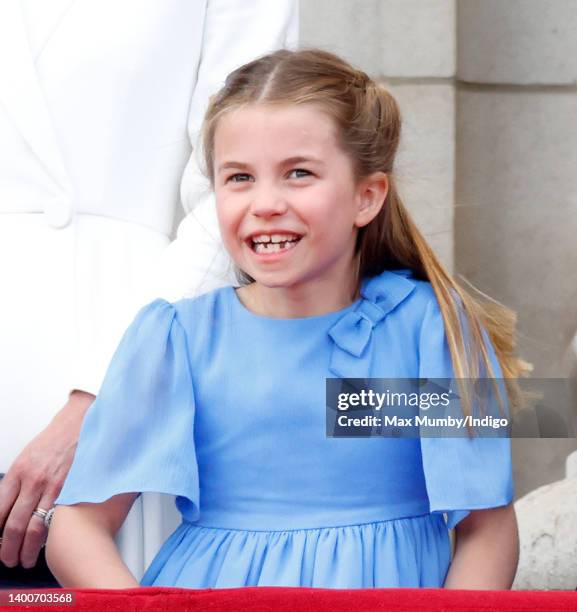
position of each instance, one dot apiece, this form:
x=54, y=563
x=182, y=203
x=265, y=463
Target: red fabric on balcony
x=280, y=599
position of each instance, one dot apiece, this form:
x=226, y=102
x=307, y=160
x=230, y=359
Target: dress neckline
x=240, y=307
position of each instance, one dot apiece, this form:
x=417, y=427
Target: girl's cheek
x=225, y=207
x=227, y=227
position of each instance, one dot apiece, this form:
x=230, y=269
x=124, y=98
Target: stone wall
x=516, y=187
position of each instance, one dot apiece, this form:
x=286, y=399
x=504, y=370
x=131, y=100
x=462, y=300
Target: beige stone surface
x=548, y=535
x=516, y=212
x=406, y=38
x=515, y=228
x=517, y=41
x=426, y=160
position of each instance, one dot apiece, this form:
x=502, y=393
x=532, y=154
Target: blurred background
x=488, y=169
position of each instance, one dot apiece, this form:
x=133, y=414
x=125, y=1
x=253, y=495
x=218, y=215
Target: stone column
x=516, y=184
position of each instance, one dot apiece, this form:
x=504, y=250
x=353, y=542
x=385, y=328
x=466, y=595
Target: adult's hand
x=35, y=480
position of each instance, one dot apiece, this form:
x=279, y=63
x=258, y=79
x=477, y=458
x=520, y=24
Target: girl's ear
x=371, y=194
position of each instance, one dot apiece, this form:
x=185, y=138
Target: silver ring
x=40, y=513
x=48, y=517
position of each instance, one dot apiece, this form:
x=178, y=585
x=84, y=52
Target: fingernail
x=28, y=564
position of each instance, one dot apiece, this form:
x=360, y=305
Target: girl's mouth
x=263, y=244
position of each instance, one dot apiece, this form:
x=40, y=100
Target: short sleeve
x=137, y=436
x=461, y=473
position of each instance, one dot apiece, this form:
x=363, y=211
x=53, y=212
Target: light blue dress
x=225, y=409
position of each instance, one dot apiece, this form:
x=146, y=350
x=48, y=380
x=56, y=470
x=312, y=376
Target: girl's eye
x=306, y=172
x=242, y=178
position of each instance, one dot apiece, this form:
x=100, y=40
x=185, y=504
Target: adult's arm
x=35, y=479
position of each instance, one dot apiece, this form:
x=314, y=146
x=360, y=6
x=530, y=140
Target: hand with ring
x=33, y=482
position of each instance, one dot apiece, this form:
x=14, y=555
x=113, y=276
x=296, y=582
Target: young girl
x=220, y=400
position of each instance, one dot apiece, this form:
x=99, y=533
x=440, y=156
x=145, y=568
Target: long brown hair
x=369, y=127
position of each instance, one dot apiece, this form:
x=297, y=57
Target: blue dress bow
x=352, y=333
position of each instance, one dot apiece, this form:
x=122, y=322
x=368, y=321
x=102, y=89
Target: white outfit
x=101, y=102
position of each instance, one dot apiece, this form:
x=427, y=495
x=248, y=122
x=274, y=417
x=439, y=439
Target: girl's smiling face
x=288, y=204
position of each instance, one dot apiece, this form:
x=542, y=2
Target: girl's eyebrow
x=298, y=159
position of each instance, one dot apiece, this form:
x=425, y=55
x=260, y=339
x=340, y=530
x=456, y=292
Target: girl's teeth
x=273, y=238
x=269, y=247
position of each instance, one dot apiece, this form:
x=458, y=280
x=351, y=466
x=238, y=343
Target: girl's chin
x=274, y=280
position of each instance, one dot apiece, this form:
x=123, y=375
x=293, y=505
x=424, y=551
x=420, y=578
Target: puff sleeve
x=461, y=474
x=137, y=435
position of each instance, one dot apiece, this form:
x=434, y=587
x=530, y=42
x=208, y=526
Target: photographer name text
x=421, y=421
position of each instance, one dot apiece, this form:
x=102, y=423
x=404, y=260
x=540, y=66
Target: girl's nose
x=268, y=202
